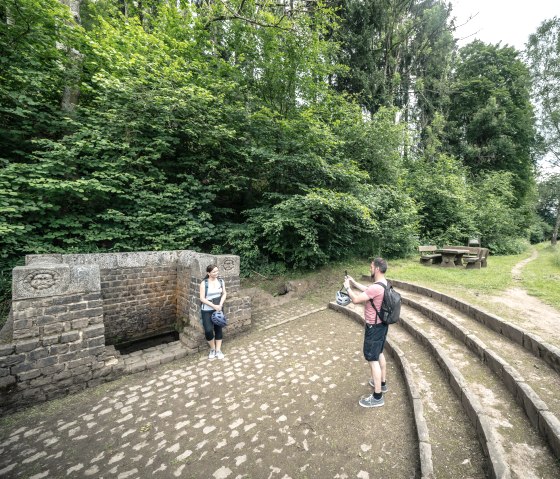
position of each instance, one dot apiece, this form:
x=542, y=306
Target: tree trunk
x=556, y=226
x=71, y=90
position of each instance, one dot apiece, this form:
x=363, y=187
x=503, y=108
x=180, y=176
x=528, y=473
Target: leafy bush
x=440, y=189
x=507, y=246
x=397, y=219
x=305, y=231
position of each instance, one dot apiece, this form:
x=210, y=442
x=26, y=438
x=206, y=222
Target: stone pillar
x=58, y=341
x=236, y=308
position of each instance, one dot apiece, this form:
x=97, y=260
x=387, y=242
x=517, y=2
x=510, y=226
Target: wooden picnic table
x=452, y=257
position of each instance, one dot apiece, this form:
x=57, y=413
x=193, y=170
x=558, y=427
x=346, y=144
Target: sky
x=508, y=21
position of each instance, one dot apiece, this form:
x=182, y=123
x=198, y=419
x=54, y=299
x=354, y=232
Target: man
x=375, y=329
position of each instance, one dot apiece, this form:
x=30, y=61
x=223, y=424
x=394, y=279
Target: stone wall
x=68, y=309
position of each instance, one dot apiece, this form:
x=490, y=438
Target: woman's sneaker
x=370, y=401
x=219, y=355
x=212, y=354
x=384, y=387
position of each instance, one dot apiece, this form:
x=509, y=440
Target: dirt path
x=529, y=311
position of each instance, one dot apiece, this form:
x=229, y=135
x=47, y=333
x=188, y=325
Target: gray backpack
x=391, y=305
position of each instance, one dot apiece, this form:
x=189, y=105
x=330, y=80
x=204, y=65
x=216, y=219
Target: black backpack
x=391, y=305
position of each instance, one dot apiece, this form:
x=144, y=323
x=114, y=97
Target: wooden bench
x=428, y=255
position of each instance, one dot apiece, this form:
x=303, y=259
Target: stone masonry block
x=513, y=332
x=69, y=336
x=421, y=426
x=37, y=354
x=46, y=362
x=93, y=331
x=51, y=329
x=22, y=367
x=6, y=349
x=532, y=404
x=22, y=324
x=46, y=319
x=426, y=464
x=11, y=360
x=7, y=381
x=50, y=340
x=28, y=375
x=58, y=349
x=549, y=426
x=26, y=345
x=26, y=333
x=79, y=323
x=494, y=361
x=551, y=355
x=98, y=341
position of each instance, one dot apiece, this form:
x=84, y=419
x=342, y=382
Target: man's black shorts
x=374, y=341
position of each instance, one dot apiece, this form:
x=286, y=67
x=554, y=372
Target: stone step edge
x=532, y=342
x=472, y=407
x=425, y=446
x=542, y=419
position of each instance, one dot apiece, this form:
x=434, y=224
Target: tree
x=543, y=54
x=549, y=196
x=397, y=52
x=491, y=122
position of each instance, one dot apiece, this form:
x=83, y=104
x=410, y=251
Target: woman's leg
x=218, y=338
x=208, y=329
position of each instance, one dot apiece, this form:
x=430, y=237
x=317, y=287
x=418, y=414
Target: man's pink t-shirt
x=375, y=292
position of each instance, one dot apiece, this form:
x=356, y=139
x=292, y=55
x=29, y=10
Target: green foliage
x=543, y=55
x=239, y=127
x=549, y=204
x=494, y=215
x=305, y=231
x=397, y=220
x=439, y=187
x=490, y=117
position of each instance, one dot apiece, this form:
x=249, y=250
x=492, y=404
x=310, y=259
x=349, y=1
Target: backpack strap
x=206, y=286
x=378, y=313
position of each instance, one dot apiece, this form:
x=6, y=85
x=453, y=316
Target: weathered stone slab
x=43, y=280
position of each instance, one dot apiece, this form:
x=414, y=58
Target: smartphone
x=345, y=273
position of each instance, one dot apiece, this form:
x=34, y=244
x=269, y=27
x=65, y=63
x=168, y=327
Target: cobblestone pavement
x=282, y=404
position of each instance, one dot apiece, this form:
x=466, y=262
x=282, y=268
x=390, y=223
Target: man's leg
x=376, y=374
x=383, y=368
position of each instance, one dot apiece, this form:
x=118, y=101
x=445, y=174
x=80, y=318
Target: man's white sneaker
x=219, y=355
x=212, y=354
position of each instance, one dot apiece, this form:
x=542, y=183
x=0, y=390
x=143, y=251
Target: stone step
x=455, y=449
x=550, y=353
x=515, y=448
x=530, y=379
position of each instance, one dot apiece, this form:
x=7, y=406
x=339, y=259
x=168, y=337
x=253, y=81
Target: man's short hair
x=380, y=263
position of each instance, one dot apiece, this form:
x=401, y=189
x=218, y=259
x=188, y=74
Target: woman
x=212, y=296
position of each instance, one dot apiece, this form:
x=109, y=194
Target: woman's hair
x=209, y=268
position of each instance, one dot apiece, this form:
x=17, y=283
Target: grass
x=541, y=278
x=496, y=277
